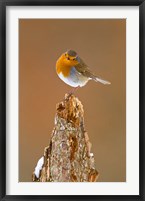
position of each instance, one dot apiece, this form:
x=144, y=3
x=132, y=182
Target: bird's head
x=70, y=58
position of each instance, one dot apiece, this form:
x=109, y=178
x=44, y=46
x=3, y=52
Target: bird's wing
x=83, y=69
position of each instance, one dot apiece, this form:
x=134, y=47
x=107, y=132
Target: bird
x=74, y=72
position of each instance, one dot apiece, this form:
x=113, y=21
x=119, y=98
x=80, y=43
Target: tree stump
x=68, y=157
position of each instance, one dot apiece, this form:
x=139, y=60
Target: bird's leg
x=72, y=91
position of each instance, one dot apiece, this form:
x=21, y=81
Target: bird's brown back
x=82, y=68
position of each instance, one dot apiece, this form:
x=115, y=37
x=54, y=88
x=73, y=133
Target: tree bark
x=68, y=157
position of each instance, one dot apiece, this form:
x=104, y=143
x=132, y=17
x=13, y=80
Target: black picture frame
x=3, y=5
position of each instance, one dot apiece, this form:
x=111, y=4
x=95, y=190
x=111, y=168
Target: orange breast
x=63, y=67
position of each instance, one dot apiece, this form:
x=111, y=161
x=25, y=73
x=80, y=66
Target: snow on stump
x=68, y=157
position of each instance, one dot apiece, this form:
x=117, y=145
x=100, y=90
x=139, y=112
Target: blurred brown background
x=102, y=45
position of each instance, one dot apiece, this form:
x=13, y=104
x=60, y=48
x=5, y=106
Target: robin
x=74, y=72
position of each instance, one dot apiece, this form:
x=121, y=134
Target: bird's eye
x=74, y=58
x=68, y=58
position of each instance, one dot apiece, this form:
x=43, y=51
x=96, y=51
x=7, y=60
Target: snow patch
x=39, y=166
x=91, y=154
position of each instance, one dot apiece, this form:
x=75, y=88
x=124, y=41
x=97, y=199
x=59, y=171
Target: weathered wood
x=68, y=157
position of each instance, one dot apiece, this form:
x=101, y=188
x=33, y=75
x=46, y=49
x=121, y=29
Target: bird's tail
x=101, y=80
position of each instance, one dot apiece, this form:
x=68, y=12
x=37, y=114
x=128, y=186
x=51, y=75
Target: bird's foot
x=71, y=93
x=68, y=95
